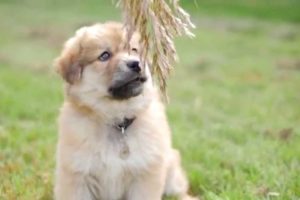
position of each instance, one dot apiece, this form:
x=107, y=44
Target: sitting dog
x=114, y=139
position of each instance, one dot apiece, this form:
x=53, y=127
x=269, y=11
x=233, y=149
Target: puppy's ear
x=69, y=68
x=68, y=64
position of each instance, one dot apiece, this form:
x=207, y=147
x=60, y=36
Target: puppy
x=114, y=139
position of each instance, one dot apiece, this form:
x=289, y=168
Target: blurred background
x=235, y=95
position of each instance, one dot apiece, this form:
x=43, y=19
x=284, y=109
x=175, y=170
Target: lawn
x=234, y=97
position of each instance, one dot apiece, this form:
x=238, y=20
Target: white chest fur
x=92, y=150
x=107, y=174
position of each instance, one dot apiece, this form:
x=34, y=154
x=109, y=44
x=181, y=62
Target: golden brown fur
x=89, y=163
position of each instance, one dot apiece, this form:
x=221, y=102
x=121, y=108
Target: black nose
x=134, y=66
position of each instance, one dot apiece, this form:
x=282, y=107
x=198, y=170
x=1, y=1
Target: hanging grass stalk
x=158, y=22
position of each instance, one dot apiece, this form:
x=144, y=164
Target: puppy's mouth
x=137, y=80
x=128, y=87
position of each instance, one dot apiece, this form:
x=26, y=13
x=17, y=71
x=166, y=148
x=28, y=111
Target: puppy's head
x=102, y=73
x=97, y=63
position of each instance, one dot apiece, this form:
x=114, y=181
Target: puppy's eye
x=134, y=50
x=104, y=56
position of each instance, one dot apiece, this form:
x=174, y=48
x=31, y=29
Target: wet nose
x=134, y=66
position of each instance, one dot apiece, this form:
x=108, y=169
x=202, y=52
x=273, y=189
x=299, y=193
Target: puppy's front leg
x=149, y=187
x=70, y=186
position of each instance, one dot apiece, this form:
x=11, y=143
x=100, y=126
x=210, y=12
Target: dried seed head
x=159, y=23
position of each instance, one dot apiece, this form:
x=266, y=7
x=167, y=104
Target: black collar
x=125, y=124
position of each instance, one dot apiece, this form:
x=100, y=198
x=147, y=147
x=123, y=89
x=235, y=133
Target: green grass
x=234, y=108
x=276, y=10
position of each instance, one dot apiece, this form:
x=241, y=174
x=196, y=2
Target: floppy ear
x=68, y=64
x=69, y=67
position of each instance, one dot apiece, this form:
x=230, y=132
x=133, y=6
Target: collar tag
x=123, y=130
x=124, y=152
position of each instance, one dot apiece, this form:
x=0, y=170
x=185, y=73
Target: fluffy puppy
x=114, y=139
